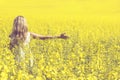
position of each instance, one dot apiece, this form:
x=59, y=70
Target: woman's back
x=20, y=47
x=20, y=38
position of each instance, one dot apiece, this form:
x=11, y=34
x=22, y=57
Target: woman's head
x=20, y=28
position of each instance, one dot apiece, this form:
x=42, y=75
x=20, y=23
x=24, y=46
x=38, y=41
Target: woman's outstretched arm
x=37, y=36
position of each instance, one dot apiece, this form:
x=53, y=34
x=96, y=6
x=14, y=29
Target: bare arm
x=37, y=36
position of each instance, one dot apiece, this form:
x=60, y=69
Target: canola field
x=92, y=51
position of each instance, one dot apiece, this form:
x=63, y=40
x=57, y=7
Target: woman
x=20, y=38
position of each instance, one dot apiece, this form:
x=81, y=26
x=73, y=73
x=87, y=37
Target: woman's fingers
x=64, y=36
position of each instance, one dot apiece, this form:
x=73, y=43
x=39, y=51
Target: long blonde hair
x=19, y=31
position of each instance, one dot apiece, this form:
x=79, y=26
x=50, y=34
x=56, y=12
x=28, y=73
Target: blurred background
x=59, y=7
x=85, y=10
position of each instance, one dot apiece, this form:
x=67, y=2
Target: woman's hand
x=63, y=36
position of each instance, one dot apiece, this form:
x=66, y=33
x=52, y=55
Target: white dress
x=23, y=49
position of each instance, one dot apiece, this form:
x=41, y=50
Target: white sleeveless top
x=26, y=43
x=27, y=39
x=20, y=51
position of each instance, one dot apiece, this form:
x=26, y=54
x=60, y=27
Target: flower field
x=91, y=53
